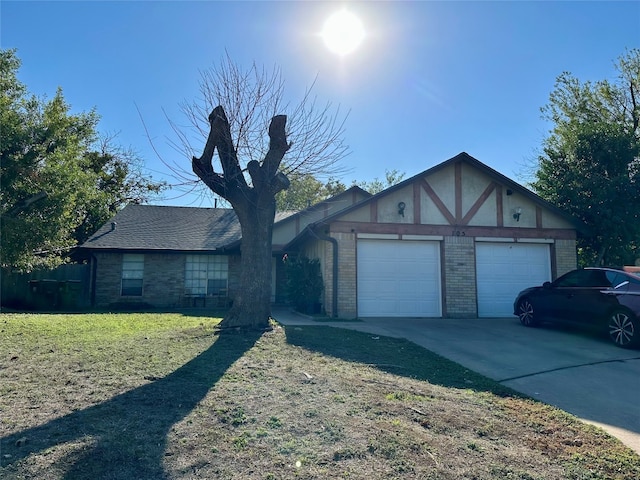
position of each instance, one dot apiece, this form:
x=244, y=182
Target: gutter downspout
x=334, y=242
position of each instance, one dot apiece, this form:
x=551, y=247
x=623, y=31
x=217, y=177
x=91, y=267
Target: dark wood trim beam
x=538, y=217
x=448, y=230
x=458, y=192
x=439, y=203
x=499, y=206
x=478, y=203
x=416, y=204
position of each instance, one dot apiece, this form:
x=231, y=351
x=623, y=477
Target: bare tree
x=253, y=170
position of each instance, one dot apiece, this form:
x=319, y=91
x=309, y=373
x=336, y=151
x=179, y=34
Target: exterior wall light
x=516, y=214
x=401, y=207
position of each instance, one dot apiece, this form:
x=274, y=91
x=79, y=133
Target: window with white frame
x=132, y=274
x=206, y=275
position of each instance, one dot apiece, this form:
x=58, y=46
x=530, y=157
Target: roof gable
x=509, y=185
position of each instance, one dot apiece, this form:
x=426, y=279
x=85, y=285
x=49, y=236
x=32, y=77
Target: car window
x=598, y=278
x=584, y=278
x=576, y=278
x=570, y=279
x=634, y=279
x=616, y=278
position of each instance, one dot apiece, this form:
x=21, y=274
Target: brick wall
x=163, y=280
x=107, y=278
x=459, y=278
x=327, y=275
x=347, y=288
x=565, y=256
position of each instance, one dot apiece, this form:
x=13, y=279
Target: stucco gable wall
x=387, y=208
x=430, y=214
x=487, y=215
x=362, y=214
x=443, y=184
x=285, y=231
x=462, y=195
x=551, y=220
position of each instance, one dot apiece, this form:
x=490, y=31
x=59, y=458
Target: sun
x=342, y=32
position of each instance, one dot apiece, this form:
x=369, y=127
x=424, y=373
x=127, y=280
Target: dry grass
x=164, y=396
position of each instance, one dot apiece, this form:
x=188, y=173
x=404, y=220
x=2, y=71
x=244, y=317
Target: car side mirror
x=546, y=285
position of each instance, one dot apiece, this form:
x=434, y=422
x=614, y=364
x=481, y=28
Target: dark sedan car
x=600, y=297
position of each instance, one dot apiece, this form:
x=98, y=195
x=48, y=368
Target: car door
x=572, y=297
x=587, y=302
x=618, y=293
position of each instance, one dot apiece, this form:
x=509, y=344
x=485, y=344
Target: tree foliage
x=590, y=165
x=307, y=190
x=60, y=180
x=391, y=178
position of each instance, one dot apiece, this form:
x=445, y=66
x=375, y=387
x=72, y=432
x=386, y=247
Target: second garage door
x=504, y=269
x=398, y=278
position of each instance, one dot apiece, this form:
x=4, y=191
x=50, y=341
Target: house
x=457, y=240
x=171, y=257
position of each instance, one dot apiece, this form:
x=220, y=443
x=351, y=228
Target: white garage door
x=504, y=269
x=398, y=278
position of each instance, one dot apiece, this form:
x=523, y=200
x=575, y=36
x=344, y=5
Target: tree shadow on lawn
x=393, y=355
x=126, y=436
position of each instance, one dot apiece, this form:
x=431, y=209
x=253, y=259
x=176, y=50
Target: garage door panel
x=503, y=270
x=398, y=278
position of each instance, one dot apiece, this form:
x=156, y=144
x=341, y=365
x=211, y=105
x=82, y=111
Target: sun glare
x=342, y=32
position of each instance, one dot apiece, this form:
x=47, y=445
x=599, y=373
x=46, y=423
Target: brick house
x=172, y=257
x=457, y=240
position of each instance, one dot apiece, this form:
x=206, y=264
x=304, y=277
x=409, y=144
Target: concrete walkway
x=582, y=374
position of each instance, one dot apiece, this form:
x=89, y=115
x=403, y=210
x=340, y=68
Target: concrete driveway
x=578, y=372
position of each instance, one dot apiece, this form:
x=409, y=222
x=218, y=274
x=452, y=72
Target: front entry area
x=398, y=278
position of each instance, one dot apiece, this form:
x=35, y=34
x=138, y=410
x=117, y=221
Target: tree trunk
x=252, y=301
x=255, y=206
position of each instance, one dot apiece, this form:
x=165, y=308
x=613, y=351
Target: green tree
x=60, y=181
x=303, y=191
x=590, y=163
x=391, y=178
x=306, y=190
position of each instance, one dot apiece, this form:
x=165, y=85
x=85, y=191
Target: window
x=132, y=273
x=617, y=279
x=206, y=275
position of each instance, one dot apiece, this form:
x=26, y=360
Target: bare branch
x=253, y=98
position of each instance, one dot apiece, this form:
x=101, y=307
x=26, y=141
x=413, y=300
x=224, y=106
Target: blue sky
x=430, y=80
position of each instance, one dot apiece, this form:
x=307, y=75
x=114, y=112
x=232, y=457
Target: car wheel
x=623, y=328
x=526, y=314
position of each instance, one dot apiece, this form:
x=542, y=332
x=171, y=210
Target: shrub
x=304, y=283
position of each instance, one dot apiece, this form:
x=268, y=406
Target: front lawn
x=164, y=396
